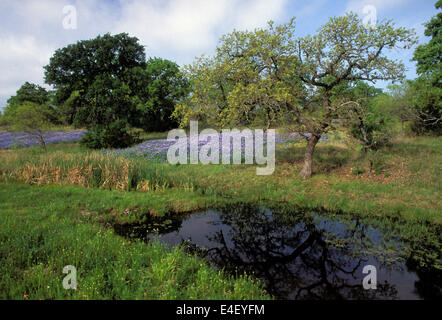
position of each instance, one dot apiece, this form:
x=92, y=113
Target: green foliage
x=163, y=87
x=426, y=103
x=426, y=91
x=417, y=102
x=343, y=51
x=250, y=78
x=28, y=93
x=369, y=118
x=114, y=135
x=94, y=81
x=31, y=118
x=270, y=74
x=372, y=126
x=67, y=110
x=428, y=56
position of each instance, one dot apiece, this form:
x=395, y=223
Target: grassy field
x=63, y=199
x=47, y=228
x=406, y=182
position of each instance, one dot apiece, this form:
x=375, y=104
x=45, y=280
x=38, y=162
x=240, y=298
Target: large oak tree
x=273, y=73
x=97, y=76
x=344, y=50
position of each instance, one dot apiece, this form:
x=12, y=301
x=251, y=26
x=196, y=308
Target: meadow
x=58, y=208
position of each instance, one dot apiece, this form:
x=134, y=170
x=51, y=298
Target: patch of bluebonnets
x=9, y=140
x=152, y=150
x=156, y=150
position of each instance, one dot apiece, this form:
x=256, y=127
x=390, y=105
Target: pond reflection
x=298, y=256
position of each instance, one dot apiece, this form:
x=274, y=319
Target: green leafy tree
x=398, y=101
x=426, y=91
x=162, y=86
x=66, y=110
x=344, y=50
x=95, y=79
x=33, y=119
x=428, y=56
x=28, y=92
x=271, y=72
x=425, y=100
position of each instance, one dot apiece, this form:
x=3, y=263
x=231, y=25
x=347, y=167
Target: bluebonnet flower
x=21, y=139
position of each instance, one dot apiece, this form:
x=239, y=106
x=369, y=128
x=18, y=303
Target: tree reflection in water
x=297, y=258
x=298, y=255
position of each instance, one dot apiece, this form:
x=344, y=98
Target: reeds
x=92, y=170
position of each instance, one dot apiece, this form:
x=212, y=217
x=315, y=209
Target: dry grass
x=92, y=170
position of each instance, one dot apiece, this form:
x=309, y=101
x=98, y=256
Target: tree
x=398, y=100
x=162, y=87
x=67, y=109
x=428, y=56
x=99, y=75
x=250, y=79
x=32, y=118
x=425, y=101
x=28, y=92
x=368, y=116
x=344, y=50
x=269, y=71
x=427, y=89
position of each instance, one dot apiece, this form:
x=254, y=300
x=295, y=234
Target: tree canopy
x=428, y=56
x=96, y=77
x=28, y=93
x=426, y=91
x=161, y=87
x=106, y=85
x=272, y=73
x=92, y=70
x=32, y=118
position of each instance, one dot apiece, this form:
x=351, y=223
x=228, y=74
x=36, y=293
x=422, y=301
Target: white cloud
x=187, y=28
x=175, y=29
x=179, y=30
x=21, y=58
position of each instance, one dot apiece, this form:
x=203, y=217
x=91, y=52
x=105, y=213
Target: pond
x=296, y=255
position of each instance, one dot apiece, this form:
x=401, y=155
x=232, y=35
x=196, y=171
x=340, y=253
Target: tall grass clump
x=91, y=170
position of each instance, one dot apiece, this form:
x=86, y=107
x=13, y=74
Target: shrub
x=114, y=135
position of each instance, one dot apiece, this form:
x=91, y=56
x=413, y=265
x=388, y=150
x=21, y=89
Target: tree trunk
x=306, y=171
x=42, y=142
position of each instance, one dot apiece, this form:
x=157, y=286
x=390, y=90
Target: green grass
x=407, y=186
x=144, y=136
x=81, y=191
x=46, y=228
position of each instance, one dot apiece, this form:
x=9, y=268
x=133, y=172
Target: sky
x=178, y=30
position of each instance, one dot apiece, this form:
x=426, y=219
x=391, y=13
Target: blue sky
x=179, y=30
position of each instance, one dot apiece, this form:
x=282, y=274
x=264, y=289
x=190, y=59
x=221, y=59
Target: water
x=297, y=256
